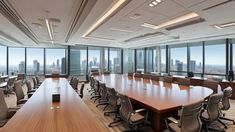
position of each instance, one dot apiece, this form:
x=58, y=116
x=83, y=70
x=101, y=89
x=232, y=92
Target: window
x=155, y=60
x=215, y=57
x=115, y=60
x=55, y=61
x=149, y=60
x=178, y=58
x=35, y=61
x=106, y=59
x=140, y=60
x=195, y=61
x=129, y=60
x=163, y=58
x=78, y=61
x=94, y=58
x=16, y=60
x=3, y=60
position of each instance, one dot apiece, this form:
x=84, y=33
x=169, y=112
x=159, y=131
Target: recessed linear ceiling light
x=171, y=22
x=49, y=30
x=121, y=30
x=154, y=3
x=220, y=26
x=104, y=17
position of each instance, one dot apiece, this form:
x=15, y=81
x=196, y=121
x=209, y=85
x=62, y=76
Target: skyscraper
x=63, y=65
x=192, y=65
x=36, y=66
x=57, y=63
x=21, y=67
x=75, y=62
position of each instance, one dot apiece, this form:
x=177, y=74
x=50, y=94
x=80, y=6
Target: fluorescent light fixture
x=158, y=1
x=104, y=17
x=154, y=2
x=217, y=26
x=227, y=24
x=121, y=30
x=49, y=29
x=171, y=22
x=149, y=26
x=151, y=5
x=220, y=26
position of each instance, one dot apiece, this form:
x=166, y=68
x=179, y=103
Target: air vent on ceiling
x=83, y=10
x=187, y=23
x=145, y=36
x=213, y=6
x=7, y=10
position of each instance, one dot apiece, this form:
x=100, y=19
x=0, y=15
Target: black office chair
x=80, y=92
x=190, y=74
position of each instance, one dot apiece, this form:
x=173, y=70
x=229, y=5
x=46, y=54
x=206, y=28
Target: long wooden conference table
x=161, y=98
x=40, y=114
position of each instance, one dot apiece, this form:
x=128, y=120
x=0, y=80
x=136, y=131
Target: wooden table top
x=155, y=94
x=39, y=114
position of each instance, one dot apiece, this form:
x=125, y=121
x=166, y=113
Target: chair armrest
x=139, y=110
x=12, y=111
x=22, y=101
x=172, y=119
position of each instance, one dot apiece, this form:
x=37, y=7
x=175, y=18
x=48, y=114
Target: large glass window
x=78, y=61
x=178, y=58
x=94, y=58
x=16, y=60
x=155, y=60
x=3, y=60
x=129, y=60
x=55, y=61
x=163, y=58
x=115, y=60
x=149, y=60
x=140, y=60
x=195, y=61
x=215, y=57
x=105, y=59
x=35, y=61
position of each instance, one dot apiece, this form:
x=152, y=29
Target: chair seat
x=205, y=115
x=135, y=118
x=3, y=122
x=175, y=127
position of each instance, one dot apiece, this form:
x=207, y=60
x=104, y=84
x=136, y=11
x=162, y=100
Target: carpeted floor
x=105, y=120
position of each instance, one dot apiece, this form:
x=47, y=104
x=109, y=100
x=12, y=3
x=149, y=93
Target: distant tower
x=21, y=67
x=36, y=66
x=63, y=65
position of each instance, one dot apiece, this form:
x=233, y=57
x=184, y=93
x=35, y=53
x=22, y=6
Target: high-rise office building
x=21, y=67
x=63, y=65
x=75, y=62
x=192, y=65
x=36, y=66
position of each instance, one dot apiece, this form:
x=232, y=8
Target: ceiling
x=23, y=22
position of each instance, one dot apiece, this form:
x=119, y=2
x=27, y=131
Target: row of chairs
x=119, y=104
x=194, y=116
x=74, y=83
x=5, y=112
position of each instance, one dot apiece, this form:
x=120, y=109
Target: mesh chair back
x=190, y=118
x=81, y=90
x=37, y=79
x=138, y=75
x=103, y=90
x=34, y=82
x=155, y=77
x=213, y=108
x=3, y=106
x=97, y=86
x=71, y=80
x=126, y=108
x=75, y=83
x=28, y=84
x=183, y=81
x=168, y=79
x=18, y=91
x=147, y=76
x=20, y=76
x=225, y=100
x=113, y=98
x=130, y=74
x=211, y=84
